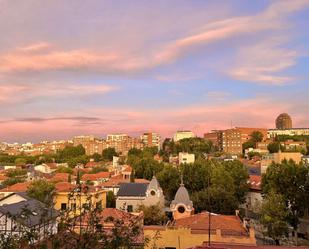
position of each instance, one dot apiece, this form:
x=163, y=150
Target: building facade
x=183, y=134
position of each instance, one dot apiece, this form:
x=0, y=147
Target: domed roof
x=284, y=121
x=154, y=184
x=182, y=196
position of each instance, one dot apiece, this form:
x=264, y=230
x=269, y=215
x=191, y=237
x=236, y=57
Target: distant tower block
x=284, y=121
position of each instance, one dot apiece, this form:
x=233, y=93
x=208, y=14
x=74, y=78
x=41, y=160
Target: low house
x=73, y=198
x=185, y=157
x=131, y=195
x=20, y=214
x=46, y=167
x=254, y=196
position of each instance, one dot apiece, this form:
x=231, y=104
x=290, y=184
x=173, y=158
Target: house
x=46, y=167
x=131, y=195
x=20, y=214
x=113, y=184
x=185, y=157
x=74, y=197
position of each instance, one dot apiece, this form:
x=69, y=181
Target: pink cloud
x=17, y=93
x=119, y=60
x=258, y=112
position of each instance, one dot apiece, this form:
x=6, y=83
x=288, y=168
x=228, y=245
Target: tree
x=153, y=215
x=291, y=181
x=71, y=152
x=42, y=191
x=274, y=215
x=273, y=147
x=108, y=153
x=169, y=179
x=257, y=136
x=20, y=161
x=98, y=169
x=97, y=157
x=248, y=144
x=63, y=169
x=110, y=200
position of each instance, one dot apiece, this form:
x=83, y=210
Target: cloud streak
x=47, y=57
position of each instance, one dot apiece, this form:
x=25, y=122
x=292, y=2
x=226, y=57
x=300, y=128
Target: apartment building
x=151, y=139
x=123, y=143
x=91, y=144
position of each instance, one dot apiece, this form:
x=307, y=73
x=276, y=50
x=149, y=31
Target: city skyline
x=71, y=68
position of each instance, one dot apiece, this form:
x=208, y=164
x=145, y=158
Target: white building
x=132, y=195
x=272, y=133
x=116, y=137
x=183, y=134
x=185, y=157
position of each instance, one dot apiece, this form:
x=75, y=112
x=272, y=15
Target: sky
x=75, y=67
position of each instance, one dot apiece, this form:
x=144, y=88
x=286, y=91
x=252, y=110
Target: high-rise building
x=283, y=121
x=123, y=143
x=91, y=144
x=151, y=139
x=233, y=139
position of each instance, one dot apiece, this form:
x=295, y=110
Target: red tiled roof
x=61, y=177
x=2, y=177
x=64, y=187
x=228, y=224
x=92, y=164
x=18, y=187
x=128, y=168
x=255, y=182
x=116, y=180
x=95, y=177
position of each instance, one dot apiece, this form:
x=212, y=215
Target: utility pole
x=209, y=211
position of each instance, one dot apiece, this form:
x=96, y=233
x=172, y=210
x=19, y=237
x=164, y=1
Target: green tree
x=110, y=200
x=97, y=157
x=63, y=169
x=20, y=161
x=257, y=136
x=71, y=152
x=98, y=169
x=153, y=215
x=108, y=153
x=274, y=215
x=42, y=191
x=291, y=181
x=248, y=144
x=273, y=147
x=169, y=179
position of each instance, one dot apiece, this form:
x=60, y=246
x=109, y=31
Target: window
x=130, y=208
x=153, y=193
x=181, y=209
x=63, y=206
